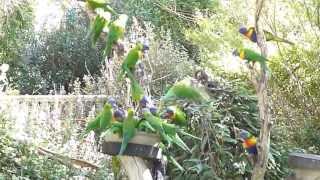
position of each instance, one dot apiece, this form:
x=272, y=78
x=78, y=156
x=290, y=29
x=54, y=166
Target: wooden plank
x=144, y=151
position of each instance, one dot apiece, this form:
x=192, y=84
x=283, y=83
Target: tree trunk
x=260, y=165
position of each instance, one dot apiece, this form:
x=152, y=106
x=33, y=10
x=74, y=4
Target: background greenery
x=186, y=35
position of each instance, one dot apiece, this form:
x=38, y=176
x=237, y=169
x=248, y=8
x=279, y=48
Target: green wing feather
x=136, y=90
x=94, y=4
x=96, y=28
x=116, y=32
x=129, y=130
x=271, y=37
x=185, y=90
x=106, y=117
x=92, y=125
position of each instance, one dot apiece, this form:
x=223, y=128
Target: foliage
x=171, y=16
x=20, y=160
x=15, y=30
x=61, y=56
x=234, y=105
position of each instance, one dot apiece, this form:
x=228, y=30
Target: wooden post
x=260, y=165
x=143, y=146
x=136, y=168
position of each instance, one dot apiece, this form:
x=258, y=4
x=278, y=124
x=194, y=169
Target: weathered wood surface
x=136, y=168
x=305, y=166
x=143, y=145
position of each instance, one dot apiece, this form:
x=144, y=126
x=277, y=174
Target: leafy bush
x=219, y=154
x=64, y=55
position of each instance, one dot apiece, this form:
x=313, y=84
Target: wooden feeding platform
x=143, y=146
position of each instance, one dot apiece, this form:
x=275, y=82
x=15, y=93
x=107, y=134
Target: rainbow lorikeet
x=115, y=33
x=128, y=130
x=249, y=142
x=118, y=112
x=146, y=102
x=176, y=115
x=128, y=67
x=129, y=63
x=168, y=132
x=251, y=56
x=251, y=34
x=102, y=121
x=185, y=90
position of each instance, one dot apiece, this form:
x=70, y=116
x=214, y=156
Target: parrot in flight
x=250, y=33
x=128, y=130
x=249, y=143
x=184, y=90
x=115, y=33
x=251, y=56
x=176, y=115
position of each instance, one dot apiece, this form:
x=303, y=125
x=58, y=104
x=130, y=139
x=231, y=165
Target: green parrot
x=251, y=56
x=184, y=90
x=136, y=90
x=101, y=122
x=115, y=33
x=131, y=60
x=106, y=117
x=96, y=28
x=250, y=33
x=129, y=130
x=116, y=166
x=100, y=4
x=167, y=131
x=93, y=125
x=94, y=4
x=176, y=115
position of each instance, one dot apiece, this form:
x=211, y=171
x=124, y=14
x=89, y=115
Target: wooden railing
x=55, y=122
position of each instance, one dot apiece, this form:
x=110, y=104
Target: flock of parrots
x=170, y=121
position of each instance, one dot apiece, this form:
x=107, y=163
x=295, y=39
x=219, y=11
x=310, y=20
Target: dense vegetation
x=184, y=36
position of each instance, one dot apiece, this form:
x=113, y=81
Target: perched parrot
x=93, y=125
x=118, y=112
x=106, y=117
x=168, y=132
x=101, y=122
x=129, y=130
x=136, y=90
x=251, y=56
x=146, y=102
x=176, y=115
x=96, y=28
x=131, y=60
x=252, y=36
x=185, y=90
x=115, y=33
x=102, y=4
x=249, y=142
x=113, y=102
x=94, y=4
